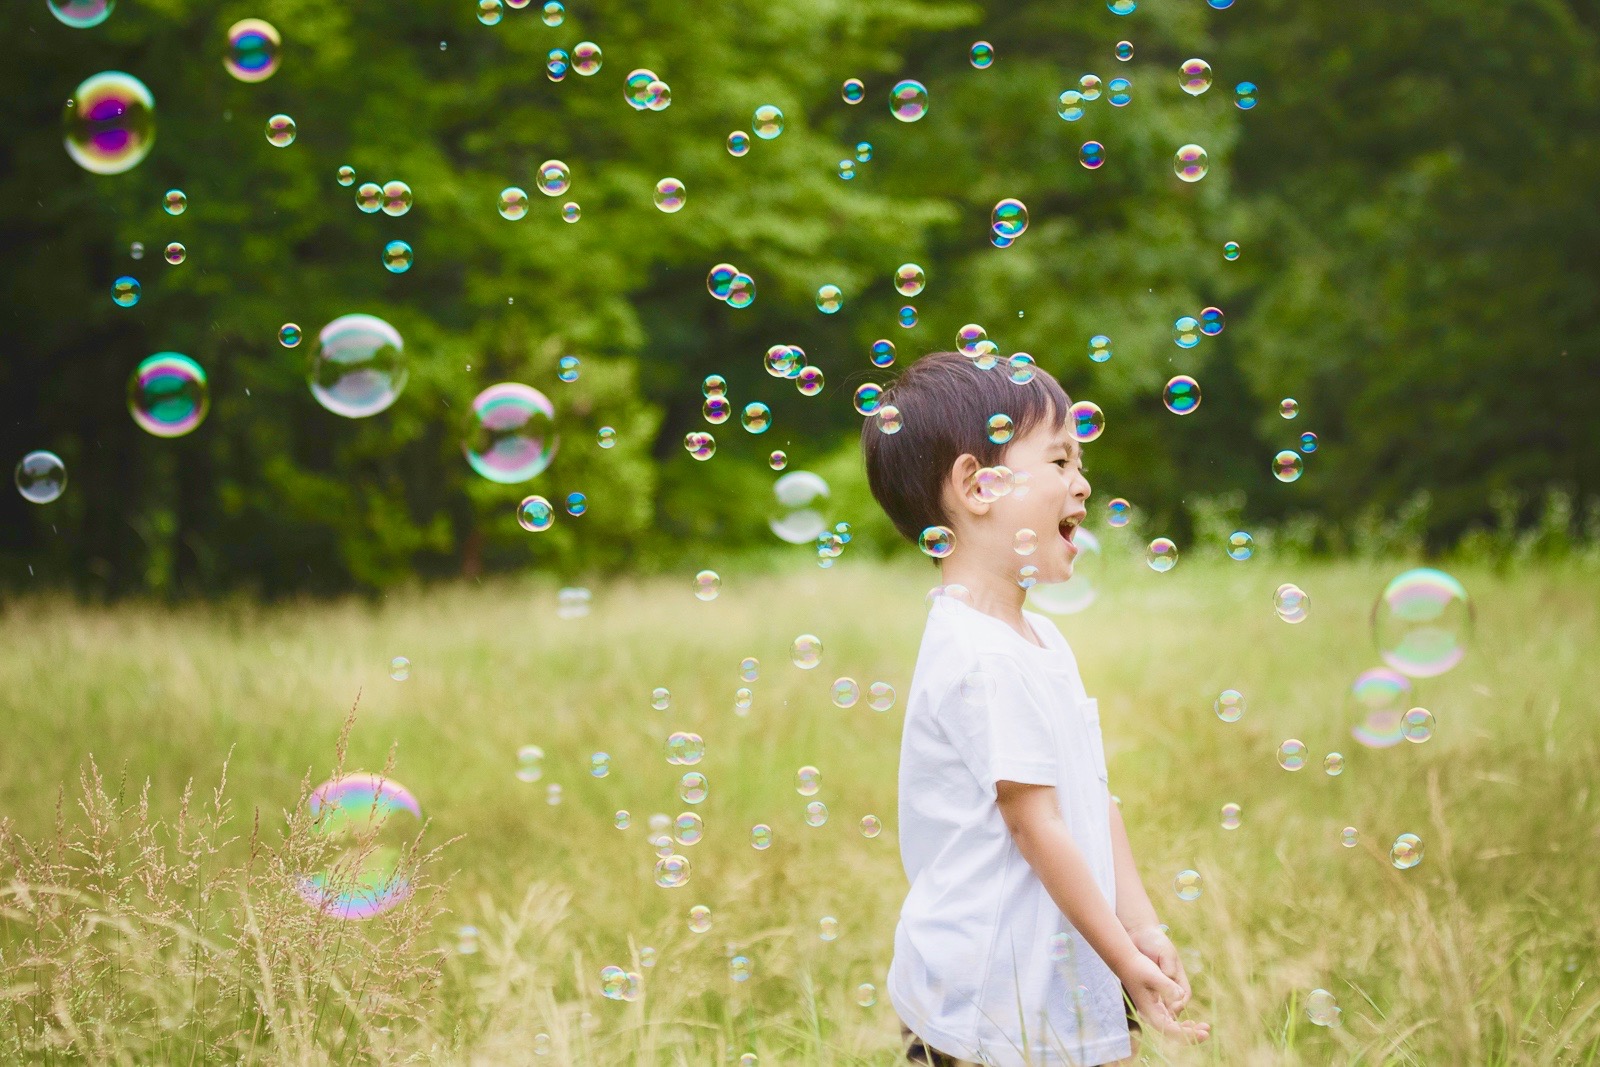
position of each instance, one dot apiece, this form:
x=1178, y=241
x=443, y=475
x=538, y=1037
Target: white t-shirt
x=980, y=948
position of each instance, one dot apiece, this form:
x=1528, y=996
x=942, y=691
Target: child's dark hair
x=945, y=401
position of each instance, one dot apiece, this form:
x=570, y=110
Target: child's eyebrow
x=1072, y=449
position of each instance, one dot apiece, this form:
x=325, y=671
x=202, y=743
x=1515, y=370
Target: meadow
x=148, y=916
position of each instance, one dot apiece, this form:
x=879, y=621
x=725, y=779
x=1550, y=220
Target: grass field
x=165, y=938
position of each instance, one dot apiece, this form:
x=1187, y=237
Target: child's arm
x=1033, y=816
x=1138, y=915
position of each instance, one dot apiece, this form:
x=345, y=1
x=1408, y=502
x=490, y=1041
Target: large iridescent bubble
x=1071, y=597
x=168, y=395
x=1422, y=622
x=253, y=50
x=109, y=123
x=367, y=825
x=41, y=477
x=81, y=14
x=511, y=433
x=797, y=496
x=908, y=100
x=358, y=367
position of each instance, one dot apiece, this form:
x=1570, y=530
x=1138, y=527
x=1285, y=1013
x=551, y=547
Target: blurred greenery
x=1413, y=195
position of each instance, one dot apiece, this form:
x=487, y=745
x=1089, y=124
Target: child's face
x=1052, y=505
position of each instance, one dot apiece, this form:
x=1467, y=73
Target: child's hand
x=1158, y=1000
x=1154, y=943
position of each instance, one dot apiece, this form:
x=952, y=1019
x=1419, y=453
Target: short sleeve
x=1000, y=723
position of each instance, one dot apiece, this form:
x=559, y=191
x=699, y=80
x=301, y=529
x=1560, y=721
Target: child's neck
x=993, y=594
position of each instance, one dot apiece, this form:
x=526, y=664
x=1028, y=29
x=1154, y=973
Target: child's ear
x=961, y=487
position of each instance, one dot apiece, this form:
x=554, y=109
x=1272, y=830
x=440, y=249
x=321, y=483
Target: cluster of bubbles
x=731, y=285
x=646, y=92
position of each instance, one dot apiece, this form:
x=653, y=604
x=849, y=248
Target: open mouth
x=1068, y=528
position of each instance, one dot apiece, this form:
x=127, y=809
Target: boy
x=1026, y=920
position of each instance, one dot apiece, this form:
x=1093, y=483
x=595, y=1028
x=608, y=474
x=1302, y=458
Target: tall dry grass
x=144, y=925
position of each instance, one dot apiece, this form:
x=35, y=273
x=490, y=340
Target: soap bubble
x=175, y=202
x=889, y=420
x=880, y=696
x=692, y=788
x=1241, y=546
x=1191, y=163
x=1092, y=155
x=369, y=197
x=109, y=123
x=1288, y=407
x=937, y=541
x=41, y=477
x=1089, y=87
x=530, y=763
x=969, y=337
x=657, y=95
x=1244, y=95
x=806, y=651
x=280, y=131
x=1181, y=395
x=982, y=54
x=909, y=280
x=586, y=58
x=908, y=100
x=577, y=504
x=1220, y=5
x=670, y=195
x=513, y=203
x=554, y=177
x=397, y=198
x=908, y=316
x=869, y=397
x=168, y=395
x=1161, y=555
x=830, y=298
x=883, y=353
x=1333, y=763
x=672, y=871
x=289, y=335
x=553, y=13
x=1292, y=755
x=490, y=12
x=1085, y=421
x=1286, y=466
x=1211, y=321
x=719, y=278
x=866, y=994
x=1422, y=622
x=1194, y=76
x=809, y=381
x=1069, y=598
x=125, y=291
x=1122, y=7
x=1099, y=348
x=1186, y=331
x=741, y=291
x=761, y=836
x=81, y=14
x=767, y=122
x=1321, y=1007
x=1000, y=428
x=358, y=367
x=1009, y=219
x=175, y=253
x=1230, y=251
x=361, y=819
x=863, y=151
x=1230, y=705
x=1187, y=885
x=1406, y=852
x=636, y=88
x=1308, y=442
x=1117, y=512
x=853, y=91
x=1124, y=50
x=1070, y=105
x=606, y=437
x=699, y=444
x=510, y=434
x=847, y=169
x=397, y=257
x=807, y=781
x=816, y=813
x=535, y=514
x=252, y=50
x=1417, y=725
x=756, y=418
x=1230, y=816
x=1348, y=837
x=1291, y=602
x=797, y=520
x=738, y=143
